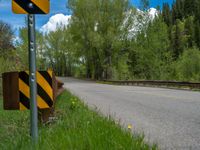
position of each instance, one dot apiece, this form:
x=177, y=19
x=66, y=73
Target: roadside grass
x=76, y=128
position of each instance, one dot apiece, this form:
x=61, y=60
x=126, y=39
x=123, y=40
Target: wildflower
x=129, y=126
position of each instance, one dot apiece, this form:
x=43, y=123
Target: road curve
x=170, y=118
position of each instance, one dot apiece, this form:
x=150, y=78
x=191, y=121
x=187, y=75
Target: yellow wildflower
x=129, y=126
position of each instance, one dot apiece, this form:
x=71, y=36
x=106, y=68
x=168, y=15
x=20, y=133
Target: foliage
x=22, y=48
x=121, y=70
x=8, y=59
x=96, y=28
x=99, y=43
x=59, y=53
x=188, y=65
x=6, y=36
x=76, y=127
x=150, y=52
x=184, y=11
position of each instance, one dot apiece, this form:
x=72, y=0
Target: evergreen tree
x=189, y=31
x=166, y=14
x=191, y=7
x=197, y=10
x=150, y=53
x=178, y=44
x=174, y=13
x=180, y=9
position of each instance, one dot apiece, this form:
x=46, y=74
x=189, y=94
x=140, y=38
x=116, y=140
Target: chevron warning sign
x=30, y=6
x=44, y=90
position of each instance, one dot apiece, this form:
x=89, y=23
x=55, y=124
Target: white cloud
x=61, y=20
x=58, y=20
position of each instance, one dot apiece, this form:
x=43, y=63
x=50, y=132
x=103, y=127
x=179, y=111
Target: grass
x=76, y=128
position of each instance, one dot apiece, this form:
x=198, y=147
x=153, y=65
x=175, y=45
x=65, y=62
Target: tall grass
x=75, y=128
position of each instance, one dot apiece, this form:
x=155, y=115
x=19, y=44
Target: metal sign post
x=32, y=7
x=32, y=77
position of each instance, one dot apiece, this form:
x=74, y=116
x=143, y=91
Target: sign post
x=32, y=7
x=32, y=77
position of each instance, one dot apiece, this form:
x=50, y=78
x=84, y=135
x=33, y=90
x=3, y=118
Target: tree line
x=111, y=39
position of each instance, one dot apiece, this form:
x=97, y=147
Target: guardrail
x=191, y=85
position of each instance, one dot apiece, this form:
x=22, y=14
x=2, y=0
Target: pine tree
x=178, y=44
x=197, y=10
x=191, y=7
x=189, y=31
x=174, y=13
x=180, y=9
x=166, y=14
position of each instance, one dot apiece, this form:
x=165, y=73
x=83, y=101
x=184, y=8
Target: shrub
x=188, y=65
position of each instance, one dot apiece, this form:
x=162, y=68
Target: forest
x=111, y=39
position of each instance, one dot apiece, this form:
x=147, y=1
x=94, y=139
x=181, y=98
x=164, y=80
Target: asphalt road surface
x=170, y=118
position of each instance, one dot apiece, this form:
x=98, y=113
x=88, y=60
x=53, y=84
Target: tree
x=178, y=39
x=197, y=33
x=96, y=26
x=177, y=10
x=6, y=39
x=191, y=7
x=189, y=31
x=57, y=52
x=22, y=47
x=188, y=65
x=151, y=51
x=166, y=14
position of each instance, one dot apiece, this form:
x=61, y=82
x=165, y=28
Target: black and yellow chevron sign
x=30, y=6
x=44, y=90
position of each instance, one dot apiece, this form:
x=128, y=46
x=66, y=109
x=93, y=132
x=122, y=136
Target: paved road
x=168, y=117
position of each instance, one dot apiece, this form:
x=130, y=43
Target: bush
x=121, y=71
x=188, y=65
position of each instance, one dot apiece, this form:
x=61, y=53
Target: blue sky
x=19, y=20
x=153, y=3
x=57, y=6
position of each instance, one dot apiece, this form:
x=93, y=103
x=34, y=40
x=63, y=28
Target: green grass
x=76, y=128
